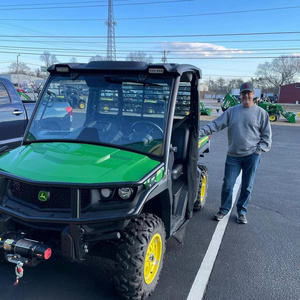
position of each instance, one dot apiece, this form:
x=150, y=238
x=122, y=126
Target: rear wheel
x=140, y=257
x=202, y=190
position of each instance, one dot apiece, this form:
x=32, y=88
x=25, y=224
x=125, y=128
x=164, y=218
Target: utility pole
x=18, y=68
x=164, y=58
x=111, y=45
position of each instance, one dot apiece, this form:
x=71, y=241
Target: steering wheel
x=147, y=127
x=146, y=131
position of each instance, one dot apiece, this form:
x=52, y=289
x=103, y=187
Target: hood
x=76, y=163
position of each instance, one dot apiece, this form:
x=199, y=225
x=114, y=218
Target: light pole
x=18, y=68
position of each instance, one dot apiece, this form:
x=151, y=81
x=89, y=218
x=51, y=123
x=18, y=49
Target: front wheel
x=81, y=104
x=273, y=117
x=202, y=190
x=140, y=257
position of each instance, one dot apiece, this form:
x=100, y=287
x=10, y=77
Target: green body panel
x=76, y=163
x=229, y=100
x=21, y=94
x=204, y=110
x=202, y=141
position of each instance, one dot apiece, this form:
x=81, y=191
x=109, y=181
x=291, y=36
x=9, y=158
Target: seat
x=89, y=134
x=180, y=140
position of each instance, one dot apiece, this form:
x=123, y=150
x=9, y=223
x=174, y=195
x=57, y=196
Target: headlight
x=106, y=193
x=125, y=193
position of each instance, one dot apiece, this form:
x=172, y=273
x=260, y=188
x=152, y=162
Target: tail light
x=69, y=110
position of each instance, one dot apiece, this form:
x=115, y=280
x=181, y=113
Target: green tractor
x=229, y=100
x=204, y=111
x=275, y=111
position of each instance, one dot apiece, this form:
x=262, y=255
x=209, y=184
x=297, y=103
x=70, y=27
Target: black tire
x=81, y=104
x=143, y=240
x=273, y=117
x=202, y=190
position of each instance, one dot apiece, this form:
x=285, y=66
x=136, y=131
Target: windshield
x=123, y=111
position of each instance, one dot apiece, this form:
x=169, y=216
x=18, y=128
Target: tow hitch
x=24, y=252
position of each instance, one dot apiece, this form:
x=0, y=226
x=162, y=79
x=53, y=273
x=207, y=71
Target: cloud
x=197, y=50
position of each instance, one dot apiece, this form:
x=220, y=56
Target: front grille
x=60, y=198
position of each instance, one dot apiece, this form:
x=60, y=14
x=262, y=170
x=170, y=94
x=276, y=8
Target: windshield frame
x=160, y=87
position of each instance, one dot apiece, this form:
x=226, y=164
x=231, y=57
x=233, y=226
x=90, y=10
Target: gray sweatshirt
x=249, y=130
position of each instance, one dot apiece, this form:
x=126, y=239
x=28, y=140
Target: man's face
x=247, y=98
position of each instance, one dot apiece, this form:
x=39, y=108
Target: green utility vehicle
x=275, y=111
x=116, y=183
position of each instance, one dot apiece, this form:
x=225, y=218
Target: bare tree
x=37, y=72
x=280, y=71
x=139, y=56
x=234, y=84
x=48, y=58
x=73, y=60
x=220, y=82
x=96, y=58
x=20, y=68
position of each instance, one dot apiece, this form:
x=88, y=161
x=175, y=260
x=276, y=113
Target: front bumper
x=74, y=228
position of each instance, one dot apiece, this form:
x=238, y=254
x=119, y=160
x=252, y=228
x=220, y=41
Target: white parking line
x=199, y=285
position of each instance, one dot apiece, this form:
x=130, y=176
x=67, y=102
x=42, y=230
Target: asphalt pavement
x=259, y=260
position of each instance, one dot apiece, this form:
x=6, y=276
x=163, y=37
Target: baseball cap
x=247, y=86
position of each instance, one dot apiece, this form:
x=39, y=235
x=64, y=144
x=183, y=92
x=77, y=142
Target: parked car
x=15, y=114
x=28, y=90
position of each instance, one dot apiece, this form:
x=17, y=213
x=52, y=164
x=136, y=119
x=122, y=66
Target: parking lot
x=255, y=261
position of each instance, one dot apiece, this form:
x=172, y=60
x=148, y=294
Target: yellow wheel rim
x=153, y=258
x=272, y=118
x=203, y=188
x=82, y=105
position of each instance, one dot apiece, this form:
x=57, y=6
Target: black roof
x=127, y=65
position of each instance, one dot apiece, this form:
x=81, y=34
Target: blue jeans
x=233, y=166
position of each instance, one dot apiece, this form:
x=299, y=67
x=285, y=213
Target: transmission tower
x=111, y=45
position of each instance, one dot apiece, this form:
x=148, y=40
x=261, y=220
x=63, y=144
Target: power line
x=173, y=58
x=92, y=6
x=155, y=51
x=150, y=36
x=155, y=42
x=158, y=17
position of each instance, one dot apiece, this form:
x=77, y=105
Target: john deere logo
x=44, y=196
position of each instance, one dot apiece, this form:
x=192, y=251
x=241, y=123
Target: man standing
x=249, y=134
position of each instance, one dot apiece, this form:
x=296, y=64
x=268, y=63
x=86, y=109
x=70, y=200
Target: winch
x=22, y=251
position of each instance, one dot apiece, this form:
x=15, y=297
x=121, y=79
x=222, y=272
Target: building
x=203, y=87
x=290, y=93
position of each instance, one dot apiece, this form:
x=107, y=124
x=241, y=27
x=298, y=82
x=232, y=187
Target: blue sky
x=224, y=38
